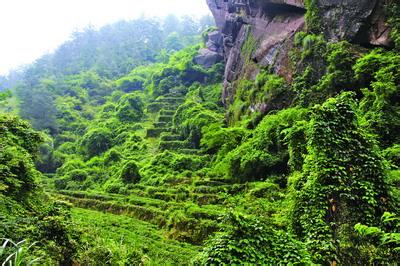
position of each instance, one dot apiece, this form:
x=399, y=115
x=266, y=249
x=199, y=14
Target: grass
x=119, y=240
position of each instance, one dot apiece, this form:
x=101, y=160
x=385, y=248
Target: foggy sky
x=30, y=28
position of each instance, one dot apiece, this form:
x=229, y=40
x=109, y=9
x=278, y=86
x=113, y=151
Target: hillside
x=271, y=138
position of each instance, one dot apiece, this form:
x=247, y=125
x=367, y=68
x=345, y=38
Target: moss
x=249, y=46
x=393, y=10
x=313, y=19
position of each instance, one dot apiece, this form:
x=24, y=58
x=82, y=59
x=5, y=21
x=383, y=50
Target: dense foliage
x=251, y=241
x=158, y=171
x=25, y=213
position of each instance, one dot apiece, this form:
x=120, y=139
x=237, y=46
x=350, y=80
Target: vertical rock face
x=359, y=21
x=213, y=53
x=259, y=33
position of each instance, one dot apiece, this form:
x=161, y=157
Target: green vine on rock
x=313, y=19
x=344, y=182
x=394, y=22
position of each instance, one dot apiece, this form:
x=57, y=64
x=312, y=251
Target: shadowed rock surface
x=271, y=25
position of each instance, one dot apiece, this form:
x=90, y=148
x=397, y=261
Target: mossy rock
x=190, y=151
x=169, y=137
x=165, y=118
x=171, y=100
x=173, y=145
x=164, y=196
x=167, y=112
x=155, y=132
x=206, y=199
x=155, y=107
x=161, y=124
x=212, y=183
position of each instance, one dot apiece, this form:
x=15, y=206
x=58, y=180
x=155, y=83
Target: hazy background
x=29, y=29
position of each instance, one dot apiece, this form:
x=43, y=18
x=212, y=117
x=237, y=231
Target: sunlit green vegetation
x=138, y=162
x=121, y=240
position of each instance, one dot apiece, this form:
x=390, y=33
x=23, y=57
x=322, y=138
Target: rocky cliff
x=259, y=33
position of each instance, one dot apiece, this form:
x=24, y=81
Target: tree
x=18, y=147
x=173, y=42
x=130, y=172
x=170, y=24
x=96, y=141
x=37, y=104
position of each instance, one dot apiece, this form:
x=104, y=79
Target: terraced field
x=128, y=241
x=187, y=212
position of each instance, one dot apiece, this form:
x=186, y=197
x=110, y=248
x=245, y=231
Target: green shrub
x=18, y=146
x=5, y=95
x=216, y=138
x=112, y=156
x=394, y=21
x=169, y=164
x=129, y=84
x=381, y=243
x=339, y=76
x=78, y=175
x=309, y=62
x=96, y=141
x=379, y=73
x=247, y=240
x=113, y=187
x=70, y=165
x=67, y=148
x=61, y=183
x=392, y=154
x=190, y=118
x=265, y=153
x=312, y=17
x=130, y=108
x=130, y=173
x=25, y=212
